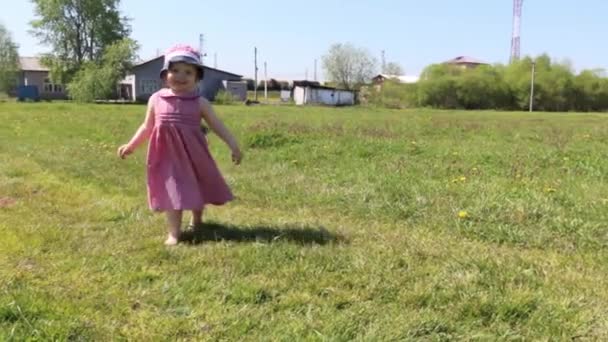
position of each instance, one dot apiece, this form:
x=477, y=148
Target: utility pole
x=215, y=60
x=532, y=87
x=315, y=70
x=306, y=74
x=265, y=83
x=201, y=39
x=255, y=61
x=383, y=62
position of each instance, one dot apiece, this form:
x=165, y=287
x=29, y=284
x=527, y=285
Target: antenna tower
x=515, y=40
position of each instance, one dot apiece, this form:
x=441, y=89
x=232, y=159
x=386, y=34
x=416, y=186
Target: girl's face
x=182, y=77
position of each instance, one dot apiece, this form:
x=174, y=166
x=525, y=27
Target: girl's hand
x=124, y=151
x=237, y=156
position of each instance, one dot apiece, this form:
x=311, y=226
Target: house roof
x=315, y=85
x=31, y=64
x=163, y=56
x=306, y=83
x=465, y=60
x=400, y=78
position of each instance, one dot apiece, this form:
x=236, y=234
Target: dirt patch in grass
x=6, y=202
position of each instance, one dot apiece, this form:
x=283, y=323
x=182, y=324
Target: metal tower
x=517, y=5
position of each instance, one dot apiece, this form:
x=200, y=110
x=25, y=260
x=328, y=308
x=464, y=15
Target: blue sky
x=290, y=35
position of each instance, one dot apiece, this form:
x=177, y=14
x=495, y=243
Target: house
x=305, y=92
x=465, y=62
x=33, y=73
x=145, y=80
x=379, y=79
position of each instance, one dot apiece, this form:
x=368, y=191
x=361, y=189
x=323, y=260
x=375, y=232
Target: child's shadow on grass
x=299, y=235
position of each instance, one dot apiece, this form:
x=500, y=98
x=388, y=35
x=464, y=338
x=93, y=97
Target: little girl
x=182, y=174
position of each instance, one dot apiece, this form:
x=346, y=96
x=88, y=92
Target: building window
x=50, y=87
x=148, y=86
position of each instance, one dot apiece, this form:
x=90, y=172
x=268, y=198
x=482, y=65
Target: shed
x=316, y=94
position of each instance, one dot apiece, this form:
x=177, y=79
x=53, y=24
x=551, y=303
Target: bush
x=225, y=98
x=391, y=94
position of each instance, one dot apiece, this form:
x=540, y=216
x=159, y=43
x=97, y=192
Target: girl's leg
x=174, y=220
x=197, y=218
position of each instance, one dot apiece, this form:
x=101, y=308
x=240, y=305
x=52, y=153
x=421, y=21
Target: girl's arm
x=142, y=134
x=218, y=128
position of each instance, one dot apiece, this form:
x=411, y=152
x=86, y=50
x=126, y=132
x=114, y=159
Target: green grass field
x=349, y=224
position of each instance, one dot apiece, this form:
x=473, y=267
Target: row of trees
x=556, y=88
x=90, y=46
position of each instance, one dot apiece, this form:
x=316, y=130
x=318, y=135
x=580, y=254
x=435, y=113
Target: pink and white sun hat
x=183, y=54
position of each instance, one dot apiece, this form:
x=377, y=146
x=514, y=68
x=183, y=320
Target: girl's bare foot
x=171, y=240
x=174, y=220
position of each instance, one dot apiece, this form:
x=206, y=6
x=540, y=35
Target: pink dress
x=182, y=174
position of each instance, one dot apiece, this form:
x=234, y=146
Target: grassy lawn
x=349, y=224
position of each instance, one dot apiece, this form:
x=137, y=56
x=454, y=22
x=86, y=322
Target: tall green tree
x=438, y=86
x=590, y=91
x=348, y=66
x=9, y=61
x=78, y=31
x=482, y=87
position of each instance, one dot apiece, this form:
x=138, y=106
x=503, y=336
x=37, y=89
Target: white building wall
x=330, y=97
x=298, y=95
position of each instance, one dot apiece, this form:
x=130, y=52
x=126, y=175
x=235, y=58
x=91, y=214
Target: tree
x=553, y=85
x=518, y=76
x=9, y=61
x=394, y=69
x=99, y=80
x=438, y=86
x=556, y=87
x=78, y=31
x=348, y=66
x=483, y=88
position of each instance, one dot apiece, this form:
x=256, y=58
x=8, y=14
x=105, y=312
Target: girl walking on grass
x=182, y=174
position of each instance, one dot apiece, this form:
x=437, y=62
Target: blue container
x=29, y=92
